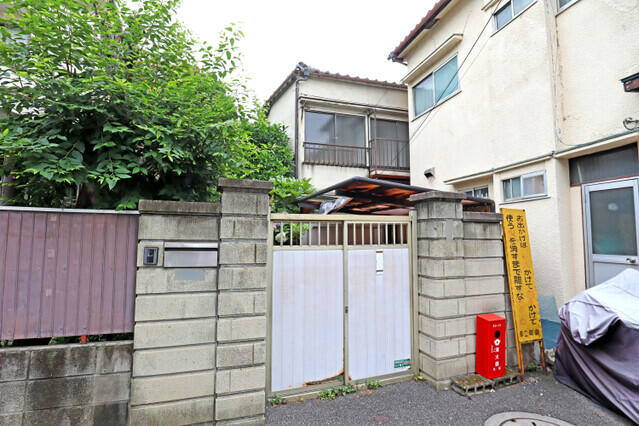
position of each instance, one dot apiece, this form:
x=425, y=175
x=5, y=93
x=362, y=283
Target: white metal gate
x=341, y=299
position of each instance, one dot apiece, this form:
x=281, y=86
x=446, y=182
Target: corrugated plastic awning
x=360, y=195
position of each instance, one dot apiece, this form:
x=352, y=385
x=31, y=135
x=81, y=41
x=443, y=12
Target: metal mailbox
x=190, y=255
x=490, y=359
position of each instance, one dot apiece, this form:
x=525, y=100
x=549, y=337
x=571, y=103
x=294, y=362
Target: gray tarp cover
x=598, y=348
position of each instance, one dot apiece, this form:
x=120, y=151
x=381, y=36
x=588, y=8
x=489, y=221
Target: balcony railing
x=386, y=154
x=335, y=155
x=390, y=154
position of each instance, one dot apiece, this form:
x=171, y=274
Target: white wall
x=283, y=112
x=598, y=46
x=545, y=82
x=505, y=96
x=339, y=90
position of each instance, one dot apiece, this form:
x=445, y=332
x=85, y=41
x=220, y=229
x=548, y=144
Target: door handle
x=631, y=260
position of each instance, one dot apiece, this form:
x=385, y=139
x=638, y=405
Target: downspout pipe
x=297, y=127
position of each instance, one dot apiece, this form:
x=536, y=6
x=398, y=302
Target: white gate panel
x=307, y=317
x=379, y=315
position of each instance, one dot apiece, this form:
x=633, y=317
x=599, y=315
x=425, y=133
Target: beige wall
x=283, y=112
x=599, y=45
x=338, y=90
x=505, y=95
x=542, y=84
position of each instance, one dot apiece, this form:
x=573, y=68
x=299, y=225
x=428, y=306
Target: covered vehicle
x=598, y=349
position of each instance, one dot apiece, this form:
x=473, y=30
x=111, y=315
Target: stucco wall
x=505, y=96
x=353, y=92
x=598, y=46
x=543, y=83
x=283, y=112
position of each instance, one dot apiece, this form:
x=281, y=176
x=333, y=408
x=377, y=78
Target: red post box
x=490, y=358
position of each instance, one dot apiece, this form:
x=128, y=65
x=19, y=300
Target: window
x=334, y=139
x=334, y=129
x=436, y=87
x=564, y=3
x=525, y=186
x=510, y=11
x=389, y=145
x=480, y=192
x=610, y=164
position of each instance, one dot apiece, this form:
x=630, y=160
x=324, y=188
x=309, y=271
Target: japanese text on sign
x=521, y=277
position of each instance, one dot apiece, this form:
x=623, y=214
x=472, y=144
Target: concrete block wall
x=241, y=328
x=173, y=378
x=66, y=384
x=200, y=333
x=461, y=274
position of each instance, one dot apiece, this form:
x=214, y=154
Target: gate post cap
x=244, y=185
x=437, y=195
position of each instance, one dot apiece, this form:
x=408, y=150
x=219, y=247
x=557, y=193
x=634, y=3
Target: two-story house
x=528, y=102
x=342, y=126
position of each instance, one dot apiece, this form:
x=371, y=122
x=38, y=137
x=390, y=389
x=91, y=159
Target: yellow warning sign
x=521, y=277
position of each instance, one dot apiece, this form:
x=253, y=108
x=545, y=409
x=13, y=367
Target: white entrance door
x=308, y=318
x=379, y=325
x=611, y=212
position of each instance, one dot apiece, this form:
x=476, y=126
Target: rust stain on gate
x=65, y=273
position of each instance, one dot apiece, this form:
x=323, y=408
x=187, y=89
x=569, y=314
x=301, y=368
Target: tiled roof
x=426, y=22
x=303, y=70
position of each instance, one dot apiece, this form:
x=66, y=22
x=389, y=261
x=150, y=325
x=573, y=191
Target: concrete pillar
x=243, y=277
x=460, y=269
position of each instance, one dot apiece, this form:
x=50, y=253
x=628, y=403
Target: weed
x=345, y=389
x=276, y=400
x=327, y=394
x=373, y=384
x=532, y=366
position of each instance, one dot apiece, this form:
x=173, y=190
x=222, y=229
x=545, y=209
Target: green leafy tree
x=106, y=102
x=266, y=155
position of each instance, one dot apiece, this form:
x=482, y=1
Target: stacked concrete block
x=65, y=384
x=461, y=275
x=175, y=319
x=200, y=349
x=241, y=305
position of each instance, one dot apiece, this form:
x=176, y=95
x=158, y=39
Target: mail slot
x=190, y=255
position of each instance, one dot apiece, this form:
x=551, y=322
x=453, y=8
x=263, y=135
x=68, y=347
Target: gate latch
x=345, y=309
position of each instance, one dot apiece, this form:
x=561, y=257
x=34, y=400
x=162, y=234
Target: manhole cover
x=515, y=418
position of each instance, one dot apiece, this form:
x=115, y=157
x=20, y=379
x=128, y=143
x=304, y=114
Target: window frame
x=475, y=189
x=513, y=15
x=373, y=131
x=561, y=8
x=432, y=74
x=521, y=186
x=334, y=136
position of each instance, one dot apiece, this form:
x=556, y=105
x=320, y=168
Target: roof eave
x=426, y=23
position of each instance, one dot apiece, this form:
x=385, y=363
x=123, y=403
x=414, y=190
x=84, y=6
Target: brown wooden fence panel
x=66, y=272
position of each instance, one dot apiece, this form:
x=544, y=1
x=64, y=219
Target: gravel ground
x=413, y=402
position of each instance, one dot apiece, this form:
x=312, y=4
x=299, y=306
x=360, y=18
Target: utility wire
x=470, y=51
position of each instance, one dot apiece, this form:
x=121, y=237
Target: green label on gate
x=400, y=363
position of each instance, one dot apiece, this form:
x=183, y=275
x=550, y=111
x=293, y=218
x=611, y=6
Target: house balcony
x=335, y=155
x=385, y=158
x=390, y=159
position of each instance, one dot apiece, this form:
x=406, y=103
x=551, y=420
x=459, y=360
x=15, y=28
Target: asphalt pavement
x=416, y=403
